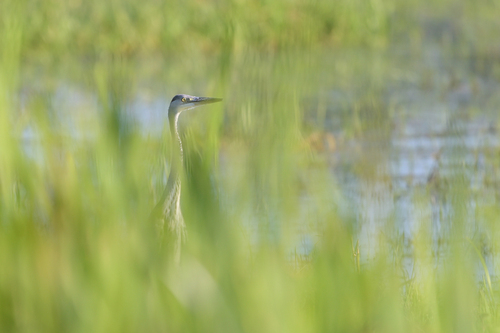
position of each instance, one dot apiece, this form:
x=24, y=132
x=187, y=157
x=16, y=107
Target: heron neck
x=177, y=153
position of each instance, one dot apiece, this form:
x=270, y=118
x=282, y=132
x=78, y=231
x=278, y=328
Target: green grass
x=76, y=251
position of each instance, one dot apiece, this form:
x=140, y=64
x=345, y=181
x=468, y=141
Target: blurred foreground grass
x=76, y=253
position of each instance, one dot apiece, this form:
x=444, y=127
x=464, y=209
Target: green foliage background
x=76, y=251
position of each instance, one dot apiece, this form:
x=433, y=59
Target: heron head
x=185, y=102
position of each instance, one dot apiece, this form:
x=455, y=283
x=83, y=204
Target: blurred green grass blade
x=483, y=263
x=11, y=38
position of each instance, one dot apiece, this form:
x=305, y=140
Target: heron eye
x=183, y=99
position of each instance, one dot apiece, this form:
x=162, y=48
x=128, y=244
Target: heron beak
x=205, y=100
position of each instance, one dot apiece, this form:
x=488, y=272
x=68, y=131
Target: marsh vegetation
x=349, y=181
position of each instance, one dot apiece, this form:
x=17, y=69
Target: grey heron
x=168, y=210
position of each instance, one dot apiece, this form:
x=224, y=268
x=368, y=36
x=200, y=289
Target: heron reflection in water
x=167, y=212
